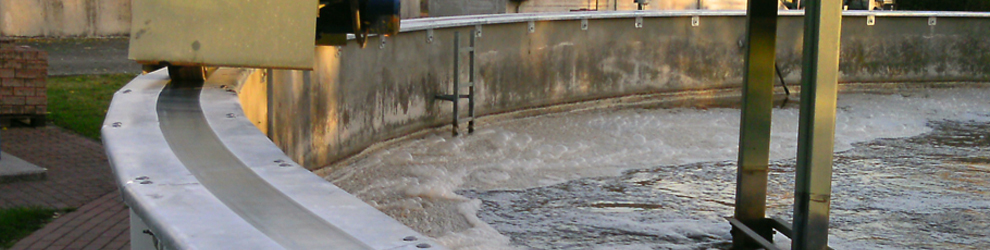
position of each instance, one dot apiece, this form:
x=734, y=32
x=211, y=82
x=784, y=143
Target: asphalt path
x=85, y=56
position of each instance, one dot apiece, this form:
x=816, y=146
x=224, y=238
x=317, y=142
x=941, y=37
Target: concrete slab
x=13, y=169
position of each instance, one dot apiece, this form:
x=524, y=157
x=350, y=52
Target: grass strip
x=79, y=103
x=19, y=222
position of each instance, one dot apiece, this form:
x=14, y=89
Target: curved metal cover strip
x=155, y=184
x=227, y=178
x=222, y=110
x=465, y=21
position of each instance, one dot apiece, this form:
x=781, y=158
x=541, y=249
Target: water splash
x=436, y=184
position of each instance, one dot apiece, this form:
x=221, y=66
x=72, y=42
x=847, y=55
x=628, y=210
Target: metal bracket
x=695, y=21
x=871, y=20
x=932, y=21
x=584, y=24
x=532, y=27
x=477, y=31
x=429, y=36
x=639, y=22
x=384, y=39
x=777, y=224
x=752, y=235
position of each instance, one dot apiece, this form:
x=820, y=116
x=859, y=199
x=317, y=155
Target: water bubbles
x=424, y=176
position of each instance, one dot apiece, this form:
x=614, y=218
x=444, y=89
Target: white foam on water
x=480, y=236
x=415, y=181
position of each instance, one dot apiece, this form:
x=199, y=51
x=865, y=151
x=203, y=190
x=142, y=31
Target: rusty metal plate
x=258, y=33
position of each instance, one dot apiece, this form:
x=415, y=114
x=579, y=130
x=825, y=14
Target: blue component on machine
x=381, y=8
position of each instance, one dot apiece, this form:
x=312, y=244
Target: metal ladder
x=456, y=97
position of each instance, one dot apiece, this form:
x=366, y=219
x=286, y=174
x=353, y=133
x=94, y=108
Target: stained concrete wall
x=357, y=97
x=65, y=18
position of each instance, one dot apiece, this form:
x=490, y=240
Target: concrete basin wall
x=358, y=97
x=65, y=18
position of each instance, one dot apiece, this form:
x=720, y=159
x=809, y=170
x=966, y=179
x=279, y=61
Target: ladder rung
x=452, y=97
x=464, y=119
x=469, y=84
x=467, y=49
x=445, y=97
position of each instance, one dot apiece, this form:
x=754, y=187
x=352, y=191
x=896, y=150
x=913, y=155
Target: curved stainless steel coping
x=201, y=176
x=462, y=21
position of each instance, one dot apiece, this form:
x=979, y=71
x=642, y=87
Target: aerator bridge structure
x=225, y=163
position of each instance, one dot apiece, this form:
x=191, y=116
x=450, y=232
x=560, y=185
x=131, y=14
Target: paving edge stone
x=13, y=169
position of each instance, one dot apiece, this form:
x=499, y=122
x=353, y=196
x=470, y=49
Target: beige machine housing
x=256, y=33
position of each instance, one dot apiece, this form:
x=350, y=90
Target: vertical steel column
x=471, y=79
x=457, y=80
x=813, y=186
x=270, y=103
x=754, y=131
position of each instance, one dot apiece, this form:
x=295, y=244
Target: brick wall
x=22, y=81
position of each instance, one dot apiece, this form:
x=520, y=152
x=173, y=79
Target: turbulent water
x=911, y=173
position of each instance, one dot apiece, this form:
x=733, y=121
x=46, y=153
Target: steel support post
x=270, y=103
x=819, y=85
x=471, y=79
x=457, y=81
x=754, y=131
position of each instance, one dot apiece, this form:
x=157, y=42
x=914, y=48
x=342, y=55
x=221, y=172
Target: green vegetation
x=19, y=222
x=79, y=103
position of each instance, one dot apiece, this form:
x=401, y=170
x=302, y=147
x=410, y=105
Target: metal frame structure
x=819, y=88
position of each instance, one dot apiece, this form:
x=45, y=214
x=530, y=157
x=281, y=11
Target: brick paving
x=79, y=177
x=78, y=171
x=100, y=224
